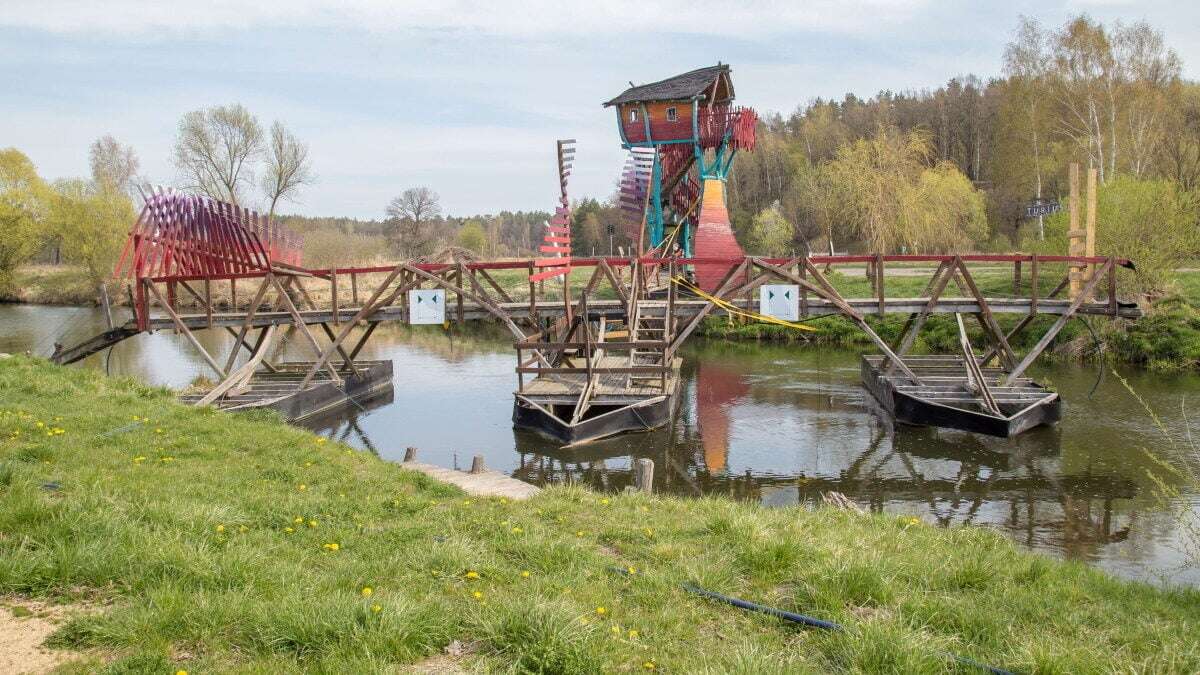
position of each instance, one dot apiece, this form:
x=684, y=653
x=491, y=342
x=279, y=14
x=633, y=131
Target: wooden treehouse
x=682, y=134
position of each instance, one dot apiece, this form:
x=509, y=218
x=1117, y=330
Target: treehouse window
x=672, y=114
x=633, y=114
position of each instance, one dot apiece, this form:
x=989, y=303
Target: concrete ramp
x=714, y=236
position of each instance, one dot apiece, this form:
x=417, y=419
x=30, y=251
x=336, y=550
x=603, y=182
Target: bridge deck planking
x=683, y=308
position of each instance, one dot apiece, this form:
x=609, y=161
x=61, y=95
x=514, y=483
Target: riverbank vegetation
x=185, y=539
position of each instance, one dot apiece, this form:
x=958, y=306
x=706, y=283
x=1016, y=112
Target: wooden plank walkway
x=484, y=484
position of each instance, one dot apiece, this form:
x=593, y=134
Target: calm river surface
x=775, y=424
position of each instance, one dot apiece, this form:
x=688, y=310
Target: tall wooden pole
x=1074, y=234
x=1089, y=247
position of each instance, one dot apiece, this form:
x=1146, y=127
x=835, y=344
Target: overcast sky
x=468, y=97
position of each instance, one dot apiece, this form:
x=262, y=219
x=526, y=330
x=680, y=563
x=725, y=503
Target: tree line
x=947, y=169
x=954, y=168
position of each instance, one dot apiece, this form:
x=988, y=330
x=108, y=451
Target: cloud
x=529, y=19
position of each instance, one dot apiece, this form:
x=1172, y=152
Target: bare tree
x=408, y=216
x=114, y=166
x=1027, y=62
x=287, y=167
x=216, y=150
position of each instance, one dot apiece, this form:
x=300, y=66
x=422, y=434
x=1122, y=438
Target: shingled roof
x=680, y=87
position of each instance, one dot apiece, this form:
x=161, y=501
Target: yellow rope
x=734, y=309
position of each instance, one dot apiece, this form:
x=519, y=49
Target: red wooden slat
x=549, y=273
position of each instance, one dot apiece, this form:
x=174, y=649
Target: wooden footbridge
x=601, y=356
x=608, y=341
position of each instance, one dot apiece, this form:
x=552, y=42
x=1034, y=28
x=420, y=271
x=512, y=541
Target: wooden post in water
x=410, y=454
x=108, y=317
x=477, y=465
x=643, y=475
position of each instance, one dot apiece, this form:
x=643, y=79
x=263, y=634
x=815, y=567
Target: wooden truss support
x=303, y=328
x=182, y=328
x=912, y=327
x=1076, y=302
x=242, y=375
x=827, y=291
x=975, y=379
x=1026, y=320
x=240, y=336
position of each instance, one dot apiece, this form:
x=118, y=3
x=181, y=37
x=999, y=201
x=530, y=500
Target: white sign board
x=427, y=306
x=781, y=301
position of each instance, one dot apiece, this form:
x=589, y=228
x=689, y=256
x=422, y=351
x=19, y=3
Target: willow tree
x=24, y=206
x=895, y=196
x=91, y=220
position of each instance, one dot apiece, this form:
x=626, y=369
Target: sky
x=467, y=98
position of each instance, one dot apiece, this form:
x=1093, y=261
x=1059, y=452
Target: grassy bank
x=207, y=542
x=52, y=285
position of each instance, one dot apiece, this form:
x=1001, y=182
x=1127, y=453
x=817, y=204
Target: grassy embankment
x=207, y=542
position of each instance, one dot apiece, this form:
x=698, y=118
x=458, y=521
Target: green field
x=185, y=539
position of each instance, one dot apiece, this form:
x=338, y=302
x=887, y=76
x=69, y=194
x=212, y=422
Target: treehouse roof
x=687, y=86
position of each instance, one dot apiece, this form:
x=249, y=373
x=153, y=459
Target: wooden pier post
x=477, y=465
x=643, y=475
x=410, y=454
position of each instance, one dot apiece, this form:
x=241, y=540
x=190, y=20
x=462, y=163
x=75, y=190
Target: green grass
x=174, y=529
x=52, y=285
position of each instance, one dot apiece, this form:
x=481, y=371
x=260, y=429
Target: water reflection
x=777, y=425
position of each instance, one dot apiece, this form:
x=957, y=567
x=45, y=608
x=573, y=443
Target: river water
x=769, y=423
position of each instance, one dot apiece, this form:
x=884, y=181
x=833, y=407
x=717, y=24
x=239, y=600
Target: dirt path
x=24, y=628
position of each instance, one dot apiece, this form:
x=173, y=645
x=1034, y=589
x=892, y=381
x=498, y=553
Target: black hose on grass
x=807, y=620
x=762, y=609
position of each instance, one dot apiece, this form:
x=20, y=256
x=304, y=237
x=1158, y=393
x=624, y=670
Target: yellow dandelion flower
x=312, y=523
x=525, y=574
x=220, y=528
x=158, y=431
x=367, y=591
x=332, y=546
x=601, y=611
x=633, y=635
x=472, y=575
x=616, y=630
x=466, y=502
x=517, y=530
x=302, y=487
x=181, y=672
x=604, y=502
x=434, y=573
x=578, y=533
x=298, y=519
x=139, y=459
x=288, y=530
x=40, y=425
x=649, y=532
x=308, y=464
x=649, y=665
x=478, y=595
x=320, y=439
x=503, y=500
x=376, y=608
x=631, y=570
x=243, y=528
